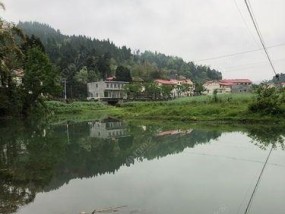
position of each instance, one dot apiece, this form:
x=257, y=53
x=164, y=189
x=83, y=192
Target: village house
x=106, y=90
x=17, y=77
x=181, y=88
x=211, y=86
x=228, y=86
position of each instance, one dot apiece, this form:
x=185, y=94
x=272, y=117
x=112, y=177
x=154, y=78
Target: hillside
x=81, y=59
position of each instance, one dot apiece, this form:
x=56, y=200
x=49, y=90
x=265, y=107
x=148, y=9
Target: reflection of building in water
x=175, y=132
x=108, y=128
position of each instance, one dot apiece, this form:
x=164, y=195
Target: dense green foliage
x=270, y=100
x=101, y=58
x=26, y=74
x=123, y=74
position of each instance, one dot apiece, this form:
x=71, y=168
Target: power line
x=259, y=35
x=238, y=53
x=249, y=65
x=258, y=181
x=245, y=22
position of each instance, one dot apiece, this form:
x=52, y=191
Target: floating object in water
x=108, y=210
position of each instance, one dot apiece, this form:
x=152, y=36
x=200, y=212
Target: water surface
x=139, y=168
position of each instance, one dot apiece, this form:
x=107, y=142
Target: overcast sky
x=191, y=29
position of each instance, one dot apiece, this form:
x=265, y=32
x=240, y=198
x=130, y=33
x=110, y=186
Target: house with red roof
x=228, y=86
x=181, y=88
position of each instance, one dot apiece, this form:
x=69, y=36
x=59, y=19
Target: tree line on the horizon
x=82, y=59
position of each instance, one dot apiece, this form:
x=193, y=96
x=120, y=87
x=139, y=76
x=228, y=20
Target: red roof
x=235, y=81
x=227, y=83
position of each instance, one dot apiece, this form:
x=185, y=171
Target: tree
x=152, y=90
x=40, y=79
x=166, y=91
x=82, y=76
x=11, y=59
x=269, y=100
x=123, y=74
x=104, y=65
x=199, y=88
x=133, y=90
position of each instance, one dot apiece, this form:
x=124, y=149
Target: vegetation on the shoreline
x=266, y=105
x=228, y=108
x=26, y=74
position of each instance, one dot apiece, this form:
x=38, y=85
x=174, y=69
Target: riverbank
x=226, y=108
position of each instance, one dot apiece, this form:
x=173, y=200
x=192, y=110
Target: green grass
x=229, y=107
x=75, y=107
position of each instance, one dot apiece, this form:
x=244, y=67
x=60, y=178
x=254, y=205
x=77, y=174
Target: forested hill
x=82, y=59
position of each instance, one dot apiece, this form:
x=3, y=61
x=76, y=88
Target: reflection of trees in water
x=43, y=158
x=14, y=195
x=27, y=158
x=264, y=136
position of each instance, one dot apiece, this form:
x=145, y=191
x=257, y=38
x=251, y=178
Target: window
x=107, y=85
x=96, y=85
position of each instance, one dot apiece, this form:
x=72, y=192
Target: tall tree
x=11, y=59
x=40, y=79
x=123, y=74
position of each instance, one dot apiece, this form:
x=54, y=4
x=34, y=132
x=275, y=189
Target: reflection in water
x=108, y=128
x=267, y=136
x=42, y=158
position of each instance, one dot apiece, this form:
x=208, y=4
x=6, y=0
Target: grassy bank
x=232, y=107
x=77, y=111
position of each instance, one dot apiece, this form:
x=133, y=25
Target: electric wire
x=259, y=35
x=245, y=22
x=250, y=65
x=237, y=53
x=257, y=183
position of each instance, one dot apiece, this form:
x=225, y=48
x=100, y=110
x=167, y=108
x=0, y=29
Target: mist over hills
x=100, y=58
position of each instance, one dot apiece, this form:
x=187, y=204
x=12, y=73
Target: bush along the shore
x=269, y=100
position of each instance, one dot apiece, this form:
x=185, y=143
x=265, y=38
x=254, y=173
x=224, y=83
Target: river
x=110, y=165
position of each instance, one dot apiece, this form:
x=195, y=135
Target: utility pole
x=65, y=96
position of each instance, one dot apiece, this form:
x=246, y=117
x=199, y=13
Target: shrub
x=268, y=101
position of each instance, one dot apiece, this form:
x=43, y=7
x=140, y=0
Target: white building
x=104, y=90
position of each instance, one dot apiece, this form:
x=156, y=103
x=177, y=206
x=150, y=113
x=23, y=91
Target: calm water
x=110, y=165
